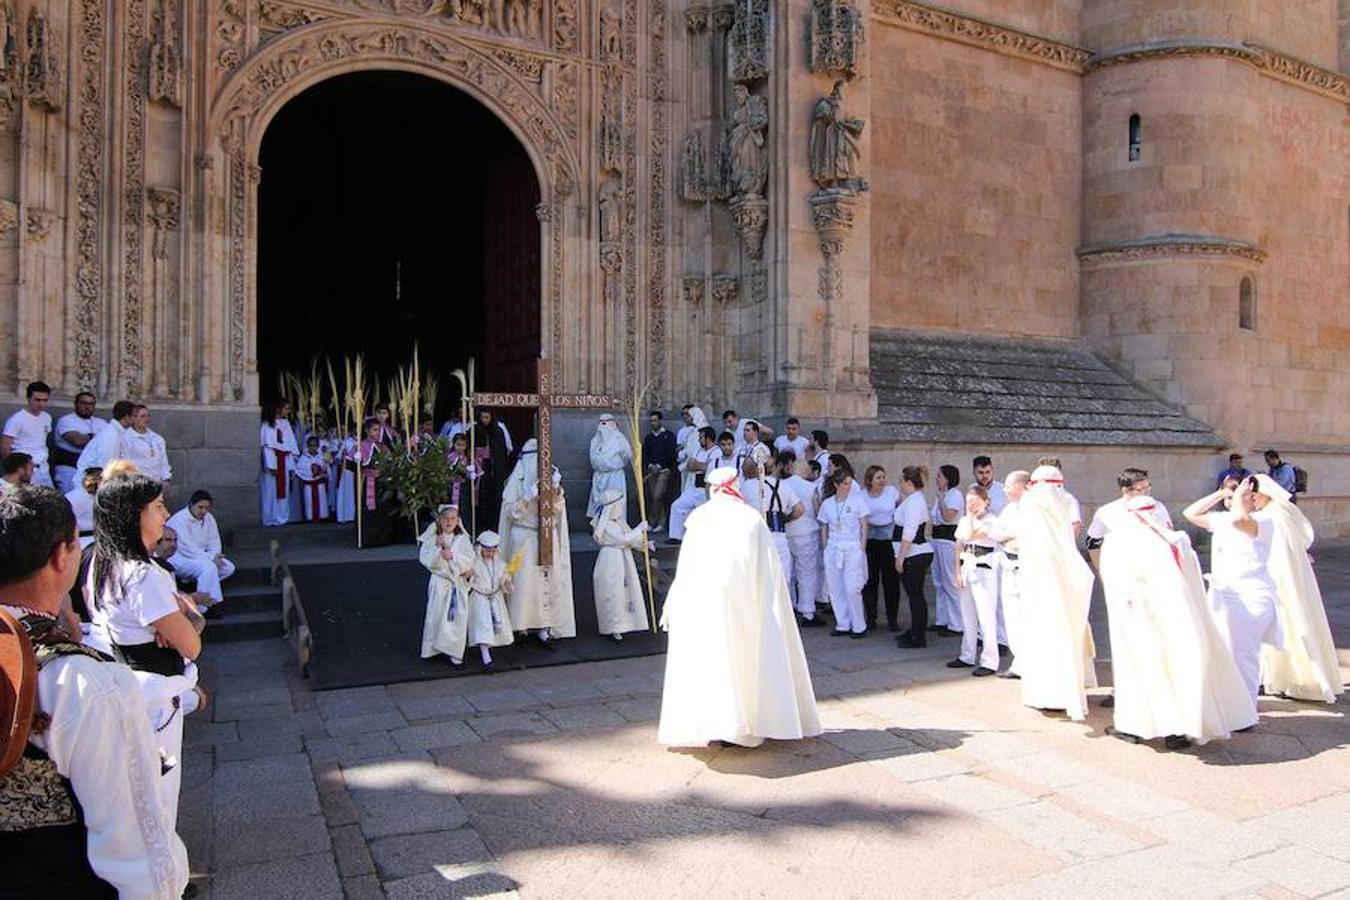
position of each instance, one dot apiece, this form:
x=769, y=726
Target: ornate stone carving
x=693, y=169
x=722, y=17
x=164, y=215
x=1269, y=62
x=835, y=39
x=611, y=118
x=9, y=218
x=611, y=36
x=526, y=65
x=166, y=53
x=279, y=17
x=832, y=214
x=43, y=77
x=834, y=152
x=565, y=98
x=978, y=33
x=696, y=18
x=657, y=201
x=751, y=215
x=1167, y=245
x=39, y=224
x=564, y=25
x=230, y=33
x=750, y=41
x=508, y=18
x=609, y=200
x=134, y=91
x=691, y=287
x=725, y=289
x=89, y=165
x=10, y=75
x=747, y=153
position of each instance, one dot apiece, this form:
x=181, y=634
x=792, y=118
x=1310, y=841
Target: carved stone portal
x=835, y=41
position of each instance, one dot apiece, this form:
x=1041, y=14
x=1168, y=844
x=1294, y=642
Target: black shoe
x=488, y=668
x=936, y=627
x=1003, y=650
x=1109, y=701
x=545, y=644
x=908, y=641
x=1251, y=727
x=893, y=627
x=982, y=672
x=837, y=633
x=1176, y=742
x=1008, y=673
x=959, y=664
x=859, y=635
x=1130, y=738
x=809, y=623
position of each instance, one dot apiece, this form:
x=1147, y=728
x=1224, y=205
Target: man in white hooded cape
x=1055, y=584
x=537, y=603
x=611, y=456
x=1304, y=666
x=735, y=668
x=1173, y=675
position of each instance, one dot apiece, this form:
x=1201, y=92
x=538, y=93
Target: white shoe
x=617, y=636
x=658, y=529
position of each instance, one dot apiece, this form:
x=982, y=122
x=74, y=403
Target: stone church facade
x=866, y=213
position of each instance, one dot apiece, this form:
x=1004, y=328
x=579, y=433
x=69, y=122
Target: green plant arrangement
x=420, y=474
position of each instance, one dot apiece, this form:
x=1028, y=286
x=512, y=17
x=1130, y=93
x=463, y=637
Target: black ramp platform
x=366, y=619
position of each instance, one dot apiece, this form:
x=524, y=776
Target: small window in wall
x=1247, y=304
x=1136, y=138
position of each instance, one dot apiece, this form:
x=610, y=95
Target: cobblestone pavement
x=928, y=783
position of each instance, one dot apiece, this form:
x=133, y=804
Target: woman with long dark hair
x=843, y=526
x=137, y=606
x=913, y=553
x=881, y=499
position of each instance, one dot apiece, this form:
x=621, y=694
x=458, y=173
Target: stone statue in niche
x=610, y=199
x=611, y=36
x=693, y=169
x=747, y=153
x=611, y=119
x=42, y=83
x=834, y=150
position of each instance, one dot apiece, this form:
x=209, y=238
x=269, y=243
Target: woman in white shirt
x=881, y=500
x=843, y=528
x=145, y=448
x=946, y=511
x=977, y=579
x=913, y=553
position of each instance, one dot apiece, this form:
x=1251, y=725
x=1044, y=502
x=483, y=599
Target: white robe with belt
x=446, y=627
x=536, y=602
x=735, y=667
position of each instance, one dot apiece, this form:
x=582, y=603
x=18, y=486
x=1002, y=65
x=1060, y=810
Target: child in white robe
x=489, y=619
x=311, y=472
x=446, y=550
x=619, y=603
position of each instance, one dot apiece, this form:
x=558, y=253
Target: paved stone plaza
x=549, y=784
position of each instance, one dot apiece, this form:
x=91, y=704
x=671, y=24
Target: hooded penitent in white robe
x=735, y=668
x=446, y=627
x=532, y=605
x=1056, y=591
x=1305, y=665
x=1172, y=672
x=611, y=457
x=689, y=448
x=620, y=605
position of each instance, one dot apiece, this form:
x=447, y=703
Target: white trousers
x=807, y=572
x=1009, y=599
x=979, y=609
x=275, y=510
x=1246, y=619
x=948, y=603
x=310, y=510
x=209, y=573
x=682, y=507
x=64, y=477
x=845, y=574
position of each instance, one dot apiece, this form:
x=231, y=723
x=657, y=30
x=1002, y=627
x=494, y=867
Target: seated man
x=164, y=552
x=199, y=552
x=85, y=818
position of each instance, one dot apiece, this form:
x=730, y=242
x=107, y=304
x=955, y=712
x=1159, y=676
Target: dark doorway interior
x=395, y=209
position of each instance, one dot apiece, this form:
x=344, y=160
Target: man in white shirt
x=106, y=444
x=803, y=539
x=820, y=451
x=692, y=497
x=97, y=749
x=27, y=429
x=982, y=467
x=146, y=448
x=82, y=502
x=73, y=432
x=731, y=421
x=753, y=451
x=1132, y=483
x=792, y=439
x=199, y=553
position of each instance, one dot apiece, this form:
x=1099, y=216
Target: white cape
x=1056, y=592
x=735, y=667
x=1305, y=667
x=536, y=602
x=446, y=627
x=1172, y=671
x=620, y=605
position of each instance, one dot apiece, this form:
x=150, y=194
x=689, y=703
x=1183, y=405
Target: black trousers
x=912, y=580
x=881, y=571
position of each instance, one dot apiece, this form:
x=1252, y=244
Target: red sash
x=282, y=477
x=313, y=499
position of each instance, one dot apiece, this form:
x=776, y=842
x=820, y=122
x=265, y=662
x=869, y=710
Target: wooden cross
x=543, y=403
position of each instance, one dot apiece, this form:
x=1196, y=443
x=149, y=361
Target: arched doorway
x=393, y=208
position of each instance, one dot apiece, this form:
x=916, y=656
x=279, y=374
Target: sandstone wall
x=975, y=198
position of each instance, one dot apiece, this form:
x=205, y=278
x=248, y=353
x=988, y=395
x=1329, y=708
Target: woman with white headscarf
x=611, y=455
x=446, y=550
x=1305, y=667
x=1057, y=664
x=536, y=603
x=619, y=604
x=1172, y=673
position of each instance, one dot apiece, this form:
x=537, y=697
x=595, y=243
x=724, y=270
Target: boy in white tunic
x=311, y=473
x=619, y=603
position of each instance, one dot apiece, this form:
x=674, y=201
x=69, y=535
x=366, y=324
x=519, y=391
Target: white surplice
x=735, y=667
x=1171, y=670
x=620, y=605
x=532, y=605
x=446, y=627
